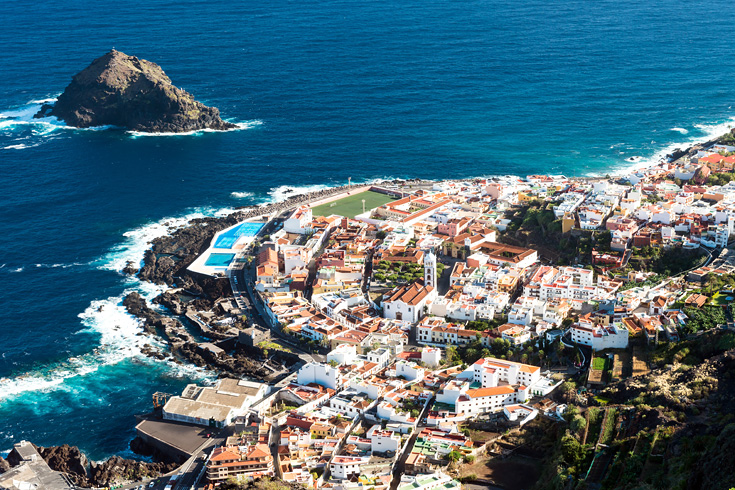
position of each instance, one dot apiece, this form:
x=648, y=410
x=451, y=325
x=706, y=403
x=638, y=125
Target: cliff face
x=121, y=90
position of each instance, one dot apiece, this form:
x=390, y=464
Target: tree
x=572, y=451
x=577, y=424
x=452, y=356
x=454, y=455
x=567, y=389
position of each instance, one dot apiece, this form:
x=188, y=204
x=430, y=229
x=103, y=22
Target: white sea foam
x=121, y=335
x=680, y=130
x=119, y=339
x=137, y=241
x=701, y=133
x=239, y=126
x=22, y=117
x=241, y=195
x=283, y=192
x=61, y=266
x=17, y=269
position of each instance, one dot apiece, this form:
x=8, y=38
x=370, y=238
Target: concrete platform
x=175, y=439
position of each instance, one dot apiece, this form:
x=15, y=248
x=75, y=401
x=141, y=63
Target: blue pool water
x=329, y=91
x=219, y=260
x=228, y=238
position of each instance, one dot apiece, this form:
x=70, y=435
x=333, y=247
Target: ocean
x=324, y=91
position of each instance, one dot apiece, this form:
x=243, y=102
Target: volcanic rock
x=67, y=459
x=124, y=91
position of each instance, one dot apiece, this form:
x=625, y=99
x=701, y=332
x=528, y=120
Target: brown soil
x=512, y=473
x=640, y=367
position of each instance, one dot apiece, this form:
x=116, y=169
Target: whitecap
x=61, y=266
x=283, y=192
x=239, y=126
x=16, y=147
x=119, y=339
x=137, y=241
x=679, y=130
x=241, y=195
x=702, y=133
x=18, y=269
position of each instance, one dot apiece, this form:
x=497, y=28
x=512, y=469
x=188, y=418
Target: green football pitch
x=351, y=206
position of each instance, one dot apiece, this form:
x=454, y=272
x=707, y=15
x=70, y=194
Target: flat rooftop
x=182, y=436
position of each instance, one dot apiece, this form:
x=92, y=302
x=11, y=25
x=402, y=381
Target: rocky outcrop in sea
x=131, y=93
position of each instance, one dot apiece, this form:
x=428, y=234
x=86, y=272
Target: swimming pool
x=228, y=238
x=219, y=260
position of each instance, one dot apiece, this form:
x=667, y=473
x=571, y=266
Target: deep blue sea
x=327, y=91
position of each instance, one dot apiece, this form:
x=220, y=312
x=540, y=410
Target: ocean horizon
x=321, y=93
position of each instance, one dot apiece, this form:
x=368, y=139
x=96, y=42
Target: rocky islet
x=131, y=93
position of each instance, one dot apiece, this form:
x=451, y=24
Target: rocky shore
x=166, y=263
x=169, y=256
x=244, y=361
x=83, y=473
x=131, y=93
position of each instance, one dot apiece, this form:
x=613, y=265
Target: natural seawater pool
x=228, y=238
x=219, y=260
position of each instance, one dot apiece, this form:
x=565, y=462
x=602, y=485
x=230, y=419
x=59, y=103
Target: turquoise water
x=228, y=238
x=325, y=91
x=219, y=260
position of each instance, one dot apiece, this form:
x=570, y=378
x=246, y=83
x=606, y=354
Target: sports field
x=351, y=206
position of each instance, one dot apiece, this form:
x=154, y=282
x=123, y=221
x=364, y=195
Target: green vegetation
x=600, y=363
x=728, y=139
x=665, y=262
x=351, y=206
x=705, y=318
x=454, y=455
x=691, y=352
x=673, y=428
x=608, y=426
x=651, y=281
x=401, y=272
x=716, y=283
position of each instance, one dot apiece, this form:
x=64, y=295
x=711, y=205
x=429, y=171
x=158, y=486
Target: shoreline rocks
x=85, y=474
x=153, y=322
x=131, y=93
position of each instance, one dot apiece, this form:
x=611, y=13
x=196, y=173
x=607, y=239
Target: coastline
x=253, y=212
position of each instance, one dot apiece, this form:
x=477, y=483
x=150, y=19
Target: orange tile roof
x=495, y=390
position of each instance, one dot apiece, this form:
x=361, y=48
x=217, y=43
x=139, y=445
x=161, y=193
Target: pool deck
x=200, y=264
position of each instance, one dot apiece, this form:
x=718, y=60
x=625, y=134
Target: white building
x=408, y=302
x=481, y=400
x=430, y=269
x=489, y=371
x=321, y=374
x=217, y=405
x=342, y=354
x=343, y=467
x=383, y=441
x=436, y=481
x=409, y=370
x=600, y=337
x=381, y=357
x=431, y=356
x=299, y=221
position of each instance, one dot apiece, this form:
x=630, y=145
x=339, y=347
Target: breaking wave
x=239, y=127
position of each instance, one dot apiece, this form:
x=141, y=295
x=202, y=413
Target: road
x=400, y=466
